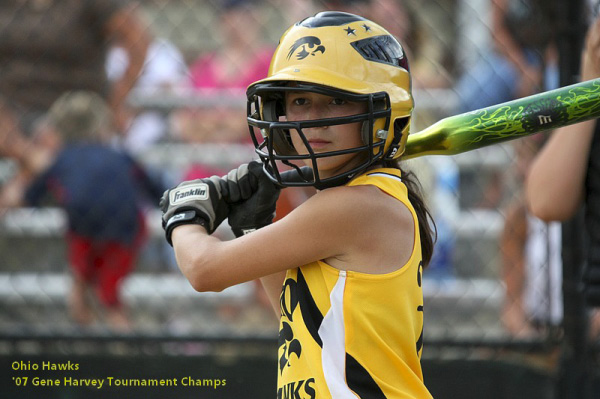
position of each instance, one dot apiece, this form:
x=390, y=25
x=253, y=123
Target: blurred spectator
x=531, y=259
x=221, y=76
x=101, y=191
x=164, y=73
x=522, y=59
x=51, y=47
x=565, y=176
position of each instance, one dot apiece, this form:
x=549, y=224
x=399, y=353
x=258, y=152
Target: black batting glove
x=239, y=185
x=251, y=212
x=198, y=201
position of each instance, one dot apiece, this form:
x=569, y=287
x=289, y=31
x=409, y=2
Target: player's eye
x=338, y=101
x=299, y=101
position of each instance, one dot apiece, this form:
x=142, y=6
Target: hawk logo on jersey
x=289, y=346
x=191, y=192
x=287, y=343
x=305, y=46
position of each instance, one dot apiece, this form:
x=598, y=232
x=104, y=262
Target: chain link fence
x=495, y=281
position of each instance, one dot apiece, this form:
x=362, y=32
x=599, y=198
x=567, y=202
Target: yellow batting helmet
x=343, y=56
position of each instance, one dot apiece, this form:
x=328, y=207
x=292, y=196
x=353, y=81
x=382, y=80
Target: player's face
x=302, y=106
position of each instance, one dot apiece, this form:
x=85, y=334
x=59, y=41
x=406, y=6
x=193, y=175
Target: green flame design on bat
x=507, y=121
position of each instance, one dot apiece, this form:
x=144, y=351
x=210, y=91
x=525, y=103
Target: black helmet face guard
x=273, y=145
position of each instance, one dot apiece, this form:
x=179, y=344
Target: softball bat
x=507, y=121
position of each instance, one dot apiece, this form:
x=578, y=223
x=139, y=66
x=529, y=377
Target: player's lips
x=318, y=143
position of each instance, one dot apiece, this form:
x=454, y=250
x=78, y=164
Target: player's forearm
x=192, y=247
x=210, y=264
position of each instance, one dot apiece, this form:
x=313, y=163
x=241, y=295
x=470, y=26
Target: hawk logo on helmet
x=308, y=45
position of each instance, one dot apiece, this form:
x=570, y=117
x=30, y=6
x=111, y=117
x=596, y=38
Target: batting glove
x=251, y=212
x=239, y=185
x=198, y=201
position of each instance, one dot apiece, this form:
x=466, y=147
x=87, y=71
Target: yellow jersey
x=345, y=334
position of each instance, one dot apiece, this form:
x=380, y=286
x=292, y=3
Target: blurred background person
x=566, y=176
x=531, y=258
x=522, y=58
x=517, y=58
x=164, y=75
x=101, y=190
x=222, y=75
x=53, y=46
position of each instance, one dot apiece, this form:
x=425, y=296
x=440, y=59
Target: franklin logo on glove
x=189, y=193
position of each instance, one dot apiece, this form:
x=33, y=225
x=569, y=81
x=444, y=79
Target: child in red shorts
x=100, y=190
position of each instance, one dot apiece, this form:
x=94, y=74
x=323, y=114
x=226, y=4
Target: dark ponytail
x=427, y=228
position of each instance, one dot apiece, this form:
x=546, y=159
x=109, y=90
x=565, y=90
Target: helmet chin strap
x=334, y=182
x=305, y=174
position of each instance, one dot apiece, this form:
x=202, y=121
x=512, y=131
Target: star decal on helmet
x=305, y=46
x=366, y=27
x=350, y=31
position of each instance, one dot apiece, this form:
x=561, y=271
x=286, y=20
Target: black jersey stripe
x=360, y=381
x=310, y=312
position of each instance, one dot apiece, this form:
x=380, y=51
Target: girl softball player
x=343, y=270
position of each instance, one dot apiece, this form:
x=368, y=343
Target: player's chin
x=338, y=164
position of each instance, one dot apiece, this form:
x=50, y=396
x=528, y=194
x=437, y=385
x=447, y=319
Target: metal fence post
x=574, y=363
x=573, y=373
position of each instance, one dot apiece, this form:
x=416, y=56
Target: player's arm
x=247, y=198
x=315, y=230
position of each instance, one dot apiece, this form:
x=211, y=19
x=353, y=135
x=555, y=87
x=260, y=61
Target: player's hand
x=251, y=212
x=239, y=184
x=198, y=201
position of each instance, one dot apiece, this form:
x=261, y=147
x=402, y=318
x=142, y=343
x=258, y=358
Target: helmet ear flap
x=282, y=142
x=396, y=147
